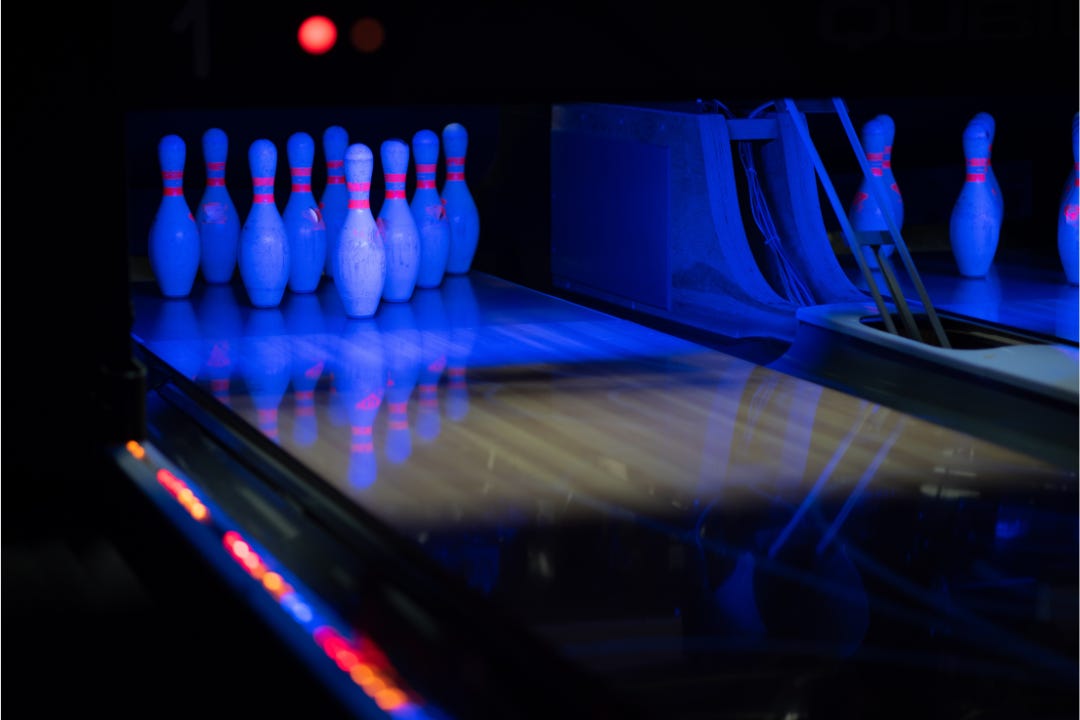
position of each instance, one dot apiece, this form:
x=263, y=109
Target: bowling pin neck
x=215, y=173
x=264, y=189
x=335, y=172
x=426, y=154
x=395, y=160
x=886, y=158
x=301, y=179
x=173, y=183
x=301, y=152
x=455, y=169
x=395, y=185
x=425, y=175
x=876, y=160
x=215, y=151
x=359, y=195
x=976, y=169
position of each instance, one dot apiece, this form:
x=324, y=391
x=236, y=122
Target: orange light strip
x=376, y=682
x=366, y=666
x=183, y=494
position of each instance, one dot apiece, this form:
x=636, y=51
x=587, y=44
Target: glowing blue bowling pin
x=219, y=222
x=264, y=244
x=303, y=221
x=991, y=178
x=266, y=366
x=174, y=236
x=865, y=214
x=1068, y=232
x=887, y=172
x=397, y=226
x=429, y=212
x=460, y=207
x=401, y=348
x=974, y=227
x=360, y=258
x=335, y=198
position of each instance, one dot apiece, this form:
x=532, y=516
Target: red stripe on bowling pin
x=455, y=169
x=220, y=390
x=305, y=403
x=429, y=395
x=363, y=203
x=394, y=193
x=299, y=175
x=425, y=176
x=262, y=183
x=268, y=422
x=361, y=439
x=976, y=170
x=335, y=175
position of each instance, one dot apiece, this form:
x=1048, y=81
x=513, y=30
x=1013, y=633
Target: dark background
x=80, y=77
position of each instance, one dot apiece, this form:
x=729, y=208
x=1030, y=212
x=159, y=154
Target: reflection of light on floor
x=948, y=493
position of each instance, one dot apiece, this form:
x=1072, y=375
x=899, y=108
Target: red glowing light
x=317, y=35
x=367, y=34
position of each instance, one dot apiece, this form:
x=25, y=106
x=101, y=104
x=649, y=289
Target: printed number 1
x=193, y=16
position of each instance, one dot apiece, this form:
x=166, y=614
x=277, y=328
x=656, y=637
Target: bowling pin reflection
x=432, y=320
x=463, y=312
x=334, y=320
x=360, y=381
x=304, y=322
x=979, y=296
x=778, y=572
x=176, y=338
x=1067, y=313
x=401, y=348
x=266, y=366
x=221, y=324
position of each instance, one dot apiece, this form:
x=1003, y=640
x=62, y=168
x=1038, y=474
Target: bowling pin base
x=265, y=298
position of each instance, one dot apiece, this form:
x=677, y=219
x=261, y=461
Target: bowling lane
x=685, y=522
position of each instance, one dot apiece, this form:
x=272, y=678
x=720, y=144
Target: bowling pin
x=397, y=226
x=174, y=235
x=1068, y=231
x=304, y=224
x=991, y=177
x=335, y=198
x=218, y=220
x=865, y=215
x=401, y=350
x=264, y=245
x=359, y=267
x=974, y=227
x=266, y=366
x=887, y=172
x=429, y=212
x=460, y=207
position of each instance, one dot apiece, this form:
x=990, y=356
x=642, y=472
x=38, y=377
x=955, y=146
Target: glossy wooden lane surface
x=483, y=403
